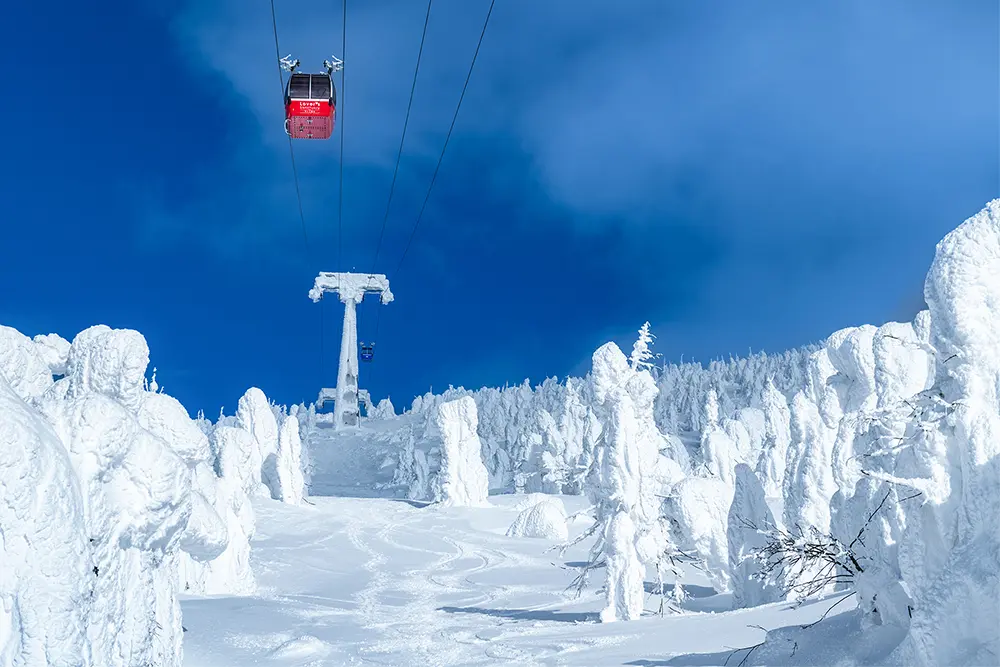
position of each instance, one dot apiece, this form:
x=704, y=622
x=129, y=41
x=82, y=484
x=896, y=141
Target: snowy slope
x=354, y=581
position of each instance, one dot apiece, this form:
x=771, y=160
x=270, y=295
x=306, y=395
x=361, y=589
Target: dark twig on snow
x=748, y=649
x=825, y=613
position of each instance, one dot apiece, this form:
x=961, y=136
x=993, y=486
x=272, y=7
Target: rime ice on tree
x=351, y=288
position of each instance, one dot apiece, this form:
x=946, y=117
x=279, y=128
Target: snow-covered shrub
x=545, y=519
x=384, y=410
x=808, y=483
x=720, y=453
x=623, y=583
x=238, y=479
x=207, y=534
x=748, y=516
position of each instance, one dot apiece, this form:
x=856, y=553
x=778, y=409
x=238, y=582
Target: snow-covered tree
x=641, y=357
x=625, y=481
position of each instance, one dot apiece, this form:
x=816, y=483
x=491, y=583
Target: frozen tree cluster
x=865, y=464
x=114, y=500
x=865, y=467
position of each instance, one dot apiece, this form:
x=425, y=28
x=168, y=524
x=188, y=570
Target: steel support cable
x=291, y=148
x=447, y=138
x=444, y=148
x=340, y=196
x=295, y=178
x=341, y=105
x=406, y=121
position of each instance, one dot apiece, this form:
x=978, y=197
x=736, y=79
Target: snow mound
x=545, y=519
x=529, y=500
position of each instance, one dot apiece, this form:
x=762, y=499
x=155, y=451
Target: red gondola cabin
x=310, y=106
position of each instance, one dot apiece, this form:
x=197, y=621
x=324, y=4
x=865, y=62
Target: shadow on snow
x=527, y=614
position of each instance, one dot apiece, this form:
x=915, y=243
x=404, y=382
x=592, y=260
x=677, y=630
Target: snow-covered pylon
x=351, y=288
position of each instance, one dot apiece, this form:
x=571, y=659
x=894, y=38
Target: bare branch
x=825, y=613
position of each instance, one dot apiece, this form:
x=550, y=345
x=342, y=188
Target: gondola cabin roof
x=311, y=87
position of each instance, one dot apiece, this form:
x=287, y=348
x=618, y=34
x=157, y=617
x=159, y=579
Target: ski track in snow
x=353, y=581
x=418, y=628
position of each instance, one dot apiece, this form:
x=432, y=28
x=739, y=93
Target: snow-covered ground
x=354, y=581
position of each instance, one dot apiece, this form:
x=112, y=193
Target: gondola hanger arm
x=335, y=64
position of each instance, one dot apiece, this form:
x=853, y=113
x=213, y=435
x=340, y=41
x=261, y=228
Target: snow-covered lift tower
x=351, y=288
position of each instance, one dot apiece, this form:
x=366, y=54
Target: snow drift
x=545, y=519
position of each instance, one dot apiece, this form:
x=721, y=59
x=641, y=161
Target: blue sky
x=742, y=175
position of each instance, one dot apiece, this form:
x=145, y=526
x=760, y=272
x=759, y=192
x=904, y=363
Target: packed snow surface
x=355, y=581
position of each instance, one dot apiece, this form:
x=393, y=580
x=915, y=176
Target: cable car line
x=368, y=352
x=291, y=148
x=430, y=187
x=447, y=138
x=340, y=196
x=406, y=121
